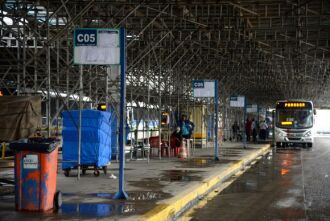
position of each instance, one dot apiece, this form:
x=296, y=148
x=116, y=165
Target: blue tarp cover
x=95, y=138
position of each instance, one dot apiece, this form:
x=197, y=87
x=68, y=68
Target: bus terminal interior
x=215, y=65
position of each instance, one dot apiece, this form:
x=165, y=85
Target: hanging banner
x=96, y=46
x=203, y=88
x=237, y=101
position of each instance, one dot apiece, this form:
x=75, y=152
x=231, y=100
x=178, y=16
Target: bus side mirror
x=314, y=111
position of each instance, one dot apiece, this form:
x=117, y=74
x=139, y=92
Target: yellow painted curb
x=167, y=210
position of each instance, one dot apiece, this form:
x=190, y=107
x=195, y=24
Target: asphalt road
x=290, y=184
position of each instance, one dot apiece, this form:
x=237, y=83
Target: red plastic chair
x=154, y=143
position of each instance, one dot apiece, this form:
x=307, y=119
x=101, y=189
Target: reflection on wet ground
x=98, y=205
x=204, y=161
x=289, y=184
x=109, y=207
x=181, y=175
x=262, y=193
x=169, y=176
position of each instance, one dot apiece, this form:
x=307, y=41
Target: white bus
x=294, y=121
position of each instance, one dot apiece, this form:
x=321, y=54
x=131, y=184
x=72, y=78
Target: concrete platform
x=158, y=190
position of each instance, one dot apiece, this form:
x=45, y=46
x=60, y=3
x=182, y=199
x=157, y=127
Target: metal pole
x=121, y=194
x=148, y=136
x=107, y=88
x=131, y=123
x=160, y=114
x=80, y=118
x=57, y=81
x=273, y=138
x=79, y=122
x=48, y=78
x=244, y=129
x=24, y=54
x=216, y=98
x=194, y=117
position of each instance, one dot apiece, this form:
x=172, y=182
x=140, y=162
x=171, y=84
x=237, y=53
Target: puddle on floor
x=138, y=203
x=180, y=175
x=89, y=210
x=149, y=183
x=168, y=176
x=203, y=162
x=77, y=206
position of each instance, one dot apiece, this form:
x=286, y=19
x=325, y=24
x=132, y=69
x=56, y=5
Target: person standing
x=235, y=129
x=177, y=137
x=254, y=130
x=248, y=129
x=186, y=126
x=263, y=130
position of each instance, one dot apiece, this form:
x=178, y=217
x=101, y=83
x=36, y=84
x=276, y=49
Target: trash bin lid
x=35, y=147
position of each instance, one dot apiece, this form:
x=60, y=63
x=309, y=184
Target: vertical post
x=244, y=130
x=148, y=136
x=274, y=120
x=35, y=77
x=24, y=53
x=107, y=88
x=79, y=122
x=57, y=81
x=19, y=61
x=67, y=71
x=160, y=113
x=48, y=77
x=216, y=99
x=131, y=131
x=121, y=194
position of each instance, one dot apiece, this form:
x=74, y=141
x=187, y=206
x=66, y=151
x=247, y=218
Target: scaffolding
x=264, y=50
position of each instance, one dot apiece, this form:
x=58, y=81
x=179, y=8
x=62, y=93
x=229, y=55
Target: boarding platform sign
x=237, y=101
x=203, y=88
x=96, y=46
x=252, y=108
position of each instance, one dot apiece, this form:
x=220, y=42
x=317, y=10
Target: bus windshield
x=294, y=118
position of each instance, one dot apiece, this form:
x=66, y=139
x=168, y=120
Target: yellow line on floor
x=166, y=211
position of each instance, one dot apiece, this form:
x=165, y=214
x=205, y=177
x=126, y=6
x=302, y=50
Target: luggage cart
x=84, y=168
x=95, y=152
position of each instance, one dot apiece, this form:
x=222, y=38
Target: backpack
x=185, y=129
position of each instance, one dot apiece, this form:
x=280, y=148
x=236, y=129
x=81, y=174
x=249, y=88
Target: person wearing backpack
x=187, y=127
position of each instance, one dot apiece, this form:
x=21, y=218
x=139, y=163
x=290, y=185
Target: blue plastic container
x=96, y=133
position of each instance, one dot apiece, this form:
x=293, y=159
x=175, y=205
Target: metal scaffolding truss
x=263, y=49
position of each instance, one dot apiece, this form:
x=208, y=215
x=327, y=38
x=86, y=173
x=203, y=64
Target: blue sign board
x=85, y=37
x=233, y=98
x=198, y=84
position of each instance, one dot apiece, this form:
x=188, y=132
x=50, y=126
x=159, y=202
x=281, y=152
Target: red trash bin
x=35, y=176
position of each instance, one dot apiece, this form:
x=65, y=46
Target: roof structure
x=264, y=49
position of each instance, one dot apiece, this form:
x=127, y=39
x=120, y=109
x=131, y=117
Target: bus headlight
x=308, y=134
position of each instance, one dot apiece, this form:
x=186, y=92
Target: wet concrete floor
x=88, y=206
x=290, y=184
